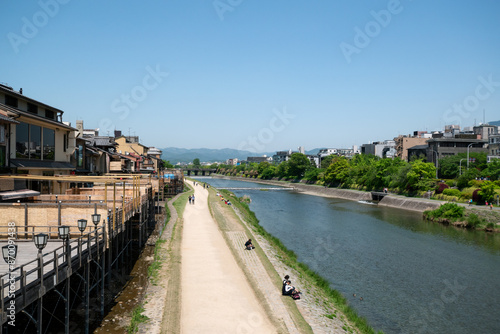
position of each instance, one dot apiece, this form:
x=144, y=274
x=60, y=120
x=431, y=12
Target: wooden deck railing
x=27, y=282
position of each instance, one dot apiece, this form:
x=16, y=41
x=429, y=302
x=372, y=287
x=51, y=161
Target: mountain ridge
x=187, y=155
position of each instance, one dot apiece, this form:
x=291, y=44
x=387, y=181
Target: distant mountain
x=313, y=151
x=175, y=155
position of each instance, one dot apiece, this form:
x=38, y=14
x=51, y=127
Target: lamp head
x=40, y=240
x=9, y=252
x=96, y=218
x=82, y=224
x=64, y=232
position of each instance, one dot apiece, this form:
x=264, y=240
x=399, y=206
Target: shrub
x=467, y=192
x=473, y=220
x=475, y=183
x=447, y=210
x=452, y=192
x=440, y=187
x=451, y=183
x=475, y=196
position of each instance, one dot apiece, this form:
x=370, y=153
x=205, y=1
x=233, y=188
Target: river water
x=414, y=276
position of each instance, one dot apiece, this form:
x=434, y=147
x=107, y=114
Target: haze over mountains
x=185, y=155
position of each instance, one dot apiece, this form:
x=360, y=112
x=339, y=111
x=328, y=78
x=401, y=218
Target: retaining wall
x=394, y=201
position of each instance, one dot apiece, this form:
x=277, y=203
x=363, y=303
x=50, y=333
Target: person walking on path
x=226, y=303
x=192, y=199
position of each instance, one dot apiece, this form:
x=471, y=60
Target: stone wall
x=395, y=201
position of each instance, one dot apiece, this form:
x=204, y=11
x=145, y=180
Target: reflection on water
x=414, y=276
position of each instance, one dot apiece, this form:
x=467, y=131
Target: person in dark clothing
x=288, y=289
x=249, y=245
x=285, y=281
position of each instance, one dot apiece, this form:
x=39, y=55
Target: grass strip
x=137, y=318
x=290, y=259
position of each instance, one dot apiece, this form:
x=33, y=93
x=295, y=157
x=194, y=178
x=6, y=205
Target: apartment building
x=403, y=143
x=382, y=149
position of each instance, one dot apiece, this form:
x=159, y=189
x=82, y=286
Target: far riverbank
x=391, y=200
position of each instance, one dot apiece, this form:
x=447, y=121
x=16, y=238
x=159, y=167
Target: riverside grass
x=290, y=259
x=137, y=318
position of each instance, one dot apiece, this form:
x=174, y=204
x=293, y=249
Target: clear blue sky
x=216, y=74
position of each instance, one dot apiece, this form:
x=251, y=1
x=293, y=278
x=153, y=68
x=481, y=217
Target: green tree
x=487, y=191
x=449, y=166
x=262, y=166
x=268, y=173
x=282, y=169
x=359, y=173
x=466, y=177
x=167, y=164
x=381, y=172
x=313, y=174
x=298, y=164
x=420, y=174
x=326, y=161
x=196, y=162
x=492, y=171
x=338, y=171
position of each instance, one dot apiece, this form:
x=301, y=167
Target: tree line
x=369, y=172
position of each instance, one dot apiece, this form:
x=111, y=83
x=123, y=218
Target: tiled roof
x=101, y=141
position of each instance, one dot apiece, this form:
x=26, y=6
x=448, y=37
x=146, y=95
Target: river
x=414, y=276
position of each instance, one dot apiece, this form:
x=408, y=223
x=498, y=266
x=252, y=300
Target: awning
x=16, y=194
x=41, y=164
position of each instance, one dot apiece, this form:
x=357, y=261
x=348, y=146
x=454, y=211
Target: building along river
x=414, y=276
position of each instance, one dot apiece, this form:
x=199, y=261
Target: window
x=32, y=108
x=2, y=156
x=22, y=141
x=48, y=144
x=49, y=114
x=65, y=144
x=79, y=156
x=29, y=142
x=35, y=142
x=2, y=134
x=11, y=101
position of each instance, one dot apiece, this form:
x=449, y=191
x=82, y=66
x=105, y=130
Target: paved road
x=216, y=297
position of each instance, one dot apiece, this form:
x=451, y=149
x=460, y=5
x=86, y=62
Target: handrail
x=21, y=277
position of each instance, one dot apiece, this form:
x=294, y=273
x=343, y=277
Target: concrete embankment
x=406, y=203
x=394, y=201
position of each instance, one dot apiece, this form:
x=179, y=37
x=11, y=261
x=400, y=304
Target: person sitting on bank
x=289, y=289
x=249, y=245
x=285, y=282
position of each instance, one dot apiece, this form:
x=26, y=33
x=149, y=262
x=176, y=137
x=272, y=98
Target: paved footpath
x=216, y=297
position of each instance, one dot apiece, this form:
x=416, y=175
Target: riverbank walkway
x=216, y=296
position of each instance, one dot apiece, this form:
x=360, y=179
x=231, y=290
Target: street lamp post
x=96, y=218
x=468, y=146
x=64, y=235
x=461, y=166
x=437, y=162
x=40, y=241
